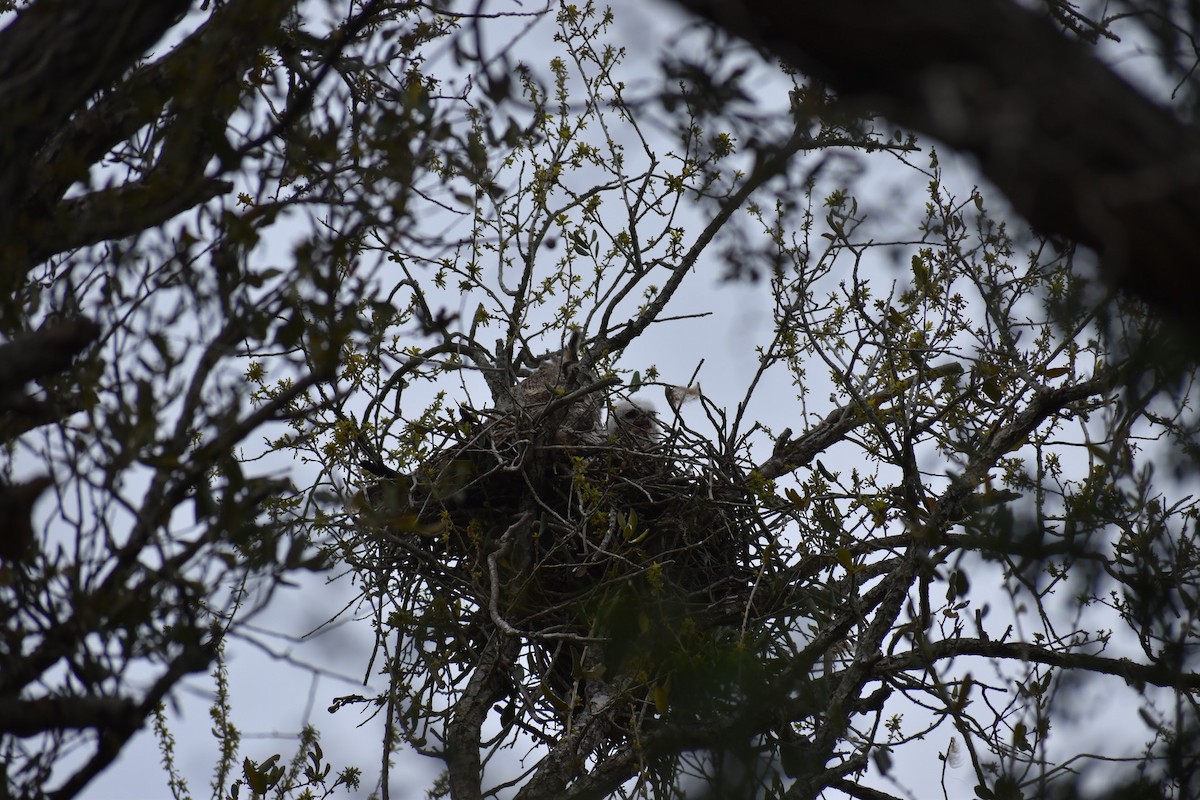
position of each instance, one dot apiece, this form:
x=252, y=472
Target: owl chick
x=539, y=414
x=634, y=424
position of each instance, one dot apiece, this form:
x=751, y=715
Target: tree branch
x=836, y=425
x=31, y=717
x=1130, y=671
x=1078, y=151
x=53, y=57
x=463, y=764
x=44, y=352
x=115, y=214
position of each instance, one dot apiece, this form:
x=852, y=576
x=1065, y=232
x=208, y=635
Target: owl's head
x=635, y=419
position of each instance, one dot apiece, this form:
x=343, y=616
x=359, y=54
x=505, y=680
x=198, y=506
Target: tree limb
x=463, y=764
x=44, y=352
x=1078, y=151
x=31, y=717
x=53, y=57
x=1131, y=672
x=837, y=424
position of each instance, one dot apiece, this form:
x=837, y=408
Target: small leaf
x=1020, y=738
x=883, y=759
x=290, y=332
x=556, y=702
x=1007, y=788
x=957, y=587
x=594, y=673
x=660, y=694
x=846, y=559
x=962, y=694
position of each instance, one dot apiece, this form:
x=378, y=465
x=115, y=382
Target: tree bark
x=1078, y=151
x=463, y=764
x=53, y=57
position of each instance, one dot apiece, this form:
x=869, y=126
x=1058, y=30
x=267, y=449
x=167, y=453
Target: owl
x=575, y=422
x=634, y=424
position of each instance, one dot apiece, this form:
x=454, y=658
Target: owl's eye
x=632, y=413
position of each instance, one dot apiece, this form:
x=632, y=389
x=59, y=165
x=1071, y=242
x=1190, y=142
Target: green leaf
x=660, y=693
x=1007, y=788
x=1020, y=737
x=290, y=332
x=846, y=559
x=958, y=585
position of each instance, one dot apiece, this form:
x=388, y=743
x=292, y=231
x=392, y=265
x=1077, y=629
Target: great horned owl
x=634, y=424
x=554, y=378
x=535, y=408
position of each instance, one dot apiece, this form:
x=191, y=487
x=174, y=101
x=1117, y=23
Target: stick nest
x=610, y=558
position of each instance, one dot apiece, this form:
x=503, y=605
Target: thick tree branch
x=1078, y=151
x=463, y=764
x=53, y=57
x=200, y=81
x=115, y=214
x=39, y=355
x=31, y=717
x=44, y=352
x=1131, y=672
